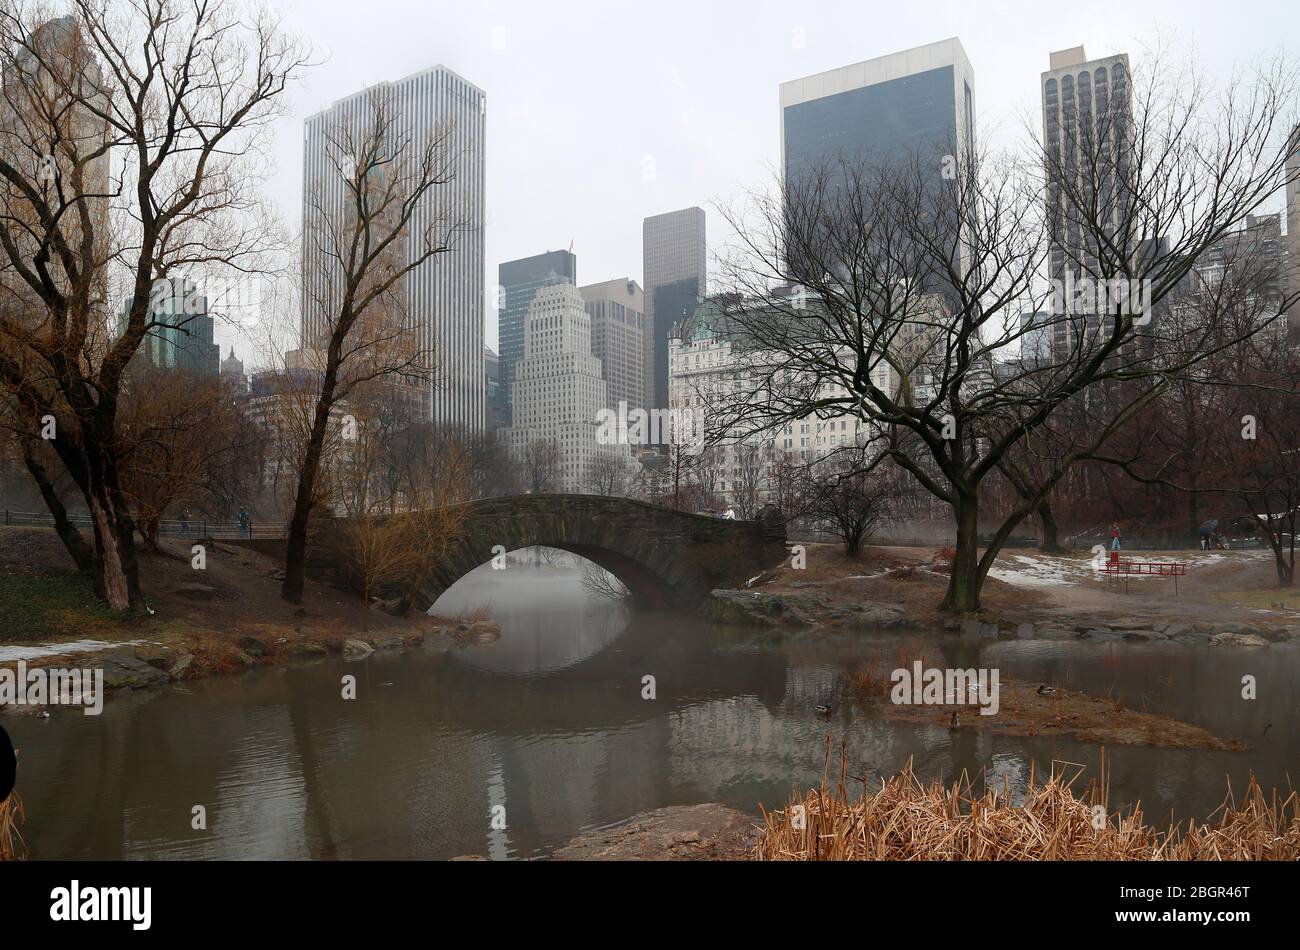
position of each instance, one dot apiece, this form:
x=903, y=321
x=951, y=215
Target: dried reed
x=12, y=847
x=907, y=820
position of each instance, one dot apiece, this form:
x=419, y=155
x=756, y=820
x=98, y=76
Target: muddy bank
x=1022, y=710
x=1029, y=597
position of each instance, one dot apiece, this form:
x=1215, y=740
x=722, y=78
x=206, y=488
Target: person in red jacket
x=1114, y=536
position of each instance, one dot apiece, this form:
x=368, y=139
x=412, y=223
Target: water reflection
x=550, y=725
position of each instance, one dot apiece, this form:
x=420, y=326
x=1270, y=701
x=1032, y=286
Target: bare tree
x=910, y=282
x=608, y=474
x=541, y=466
x=360, y=243
x=852, y=494
x=178, y=97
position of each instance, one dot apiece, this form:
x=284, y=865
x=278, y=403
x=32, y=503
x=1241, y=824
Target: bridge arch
x=667, y=558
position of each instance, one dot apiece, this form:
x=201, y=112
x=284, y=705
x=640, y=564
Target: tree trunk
x=82, y=554
x=110, y=572
x=295, y=556
x=963, y=594
x=1051, y=542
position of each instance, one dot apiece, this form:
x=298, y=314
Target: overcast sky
x=581, y=94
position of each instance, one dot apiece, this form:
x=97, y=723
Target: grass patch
x=53, y=604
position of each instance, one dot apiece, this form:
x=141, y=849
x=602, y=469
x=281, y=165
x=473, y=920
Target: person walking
x=185, y=522
x=1114, y=536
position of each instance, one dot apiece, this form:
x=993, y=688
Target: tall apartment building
x=558, y=388
x=443, y=298
x=675, y=258
x=1087, y=109
x=1293, y=227
x=517, y=284
x=492, y=379
x=617, y=311
x=51, y=136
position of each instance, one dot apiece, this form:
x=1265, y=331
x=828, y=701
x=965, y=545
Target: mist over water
x=550, y=724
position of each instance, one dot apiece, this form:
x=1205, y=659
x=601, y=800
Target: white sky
x=580, y=93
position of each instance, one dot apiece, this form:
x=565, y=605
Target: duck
x=1046, y=690
x=824, y=709
x=954, y=722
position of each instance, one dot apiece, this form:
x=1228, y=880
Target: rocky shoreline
x=817, y=609
x=146, y=667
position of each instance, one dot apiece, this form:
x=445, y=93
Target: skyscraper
x=444, y=296
x=674, y=248
x=617, y=311
x=181, y=335
x=1086, y=123
x=518, y=283
x=915, y=107
x=1293, y=226
x=559, y=390
x=917, y=103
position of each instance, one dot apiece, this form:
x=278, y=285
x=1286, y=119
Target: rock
x=195, y=591
x=181, y=666
x=390, y=642
x=1177, y=630
x=874, y=616
x=479, y=631
x=1025, y=631
x=1237, y=640
x=254, y=647
x=305, y=649
x=357, y=650
x=1054, y=633
x=125, y=670
x=973, y=627
x=754, y=607
x=678, y=833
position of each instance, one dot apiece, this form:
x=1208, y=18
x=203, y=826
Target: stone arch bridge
x=666, y=558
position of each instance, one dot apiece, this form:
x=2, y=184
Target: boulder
x=305, y=648
x=125, y=670
x=479, y=631
x=357, y=650
x=757, y=608
x=181, y=666
x=254, y=647
x=1237, y=640
x=389, y=642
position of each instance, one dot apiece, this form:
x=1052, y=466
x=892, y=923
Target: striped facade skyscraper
x=444, y=297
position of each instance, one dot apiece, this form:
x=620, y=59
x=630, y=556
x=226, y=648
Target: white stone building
x=559, y=391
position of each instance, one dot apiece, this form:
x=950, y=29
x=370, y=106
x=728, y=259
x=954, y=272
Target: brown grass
x=12, y=846
x=907, y=820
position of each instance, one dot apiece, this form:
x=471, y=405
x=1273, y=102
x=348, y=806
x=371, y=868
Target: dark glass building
x=917, y=103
